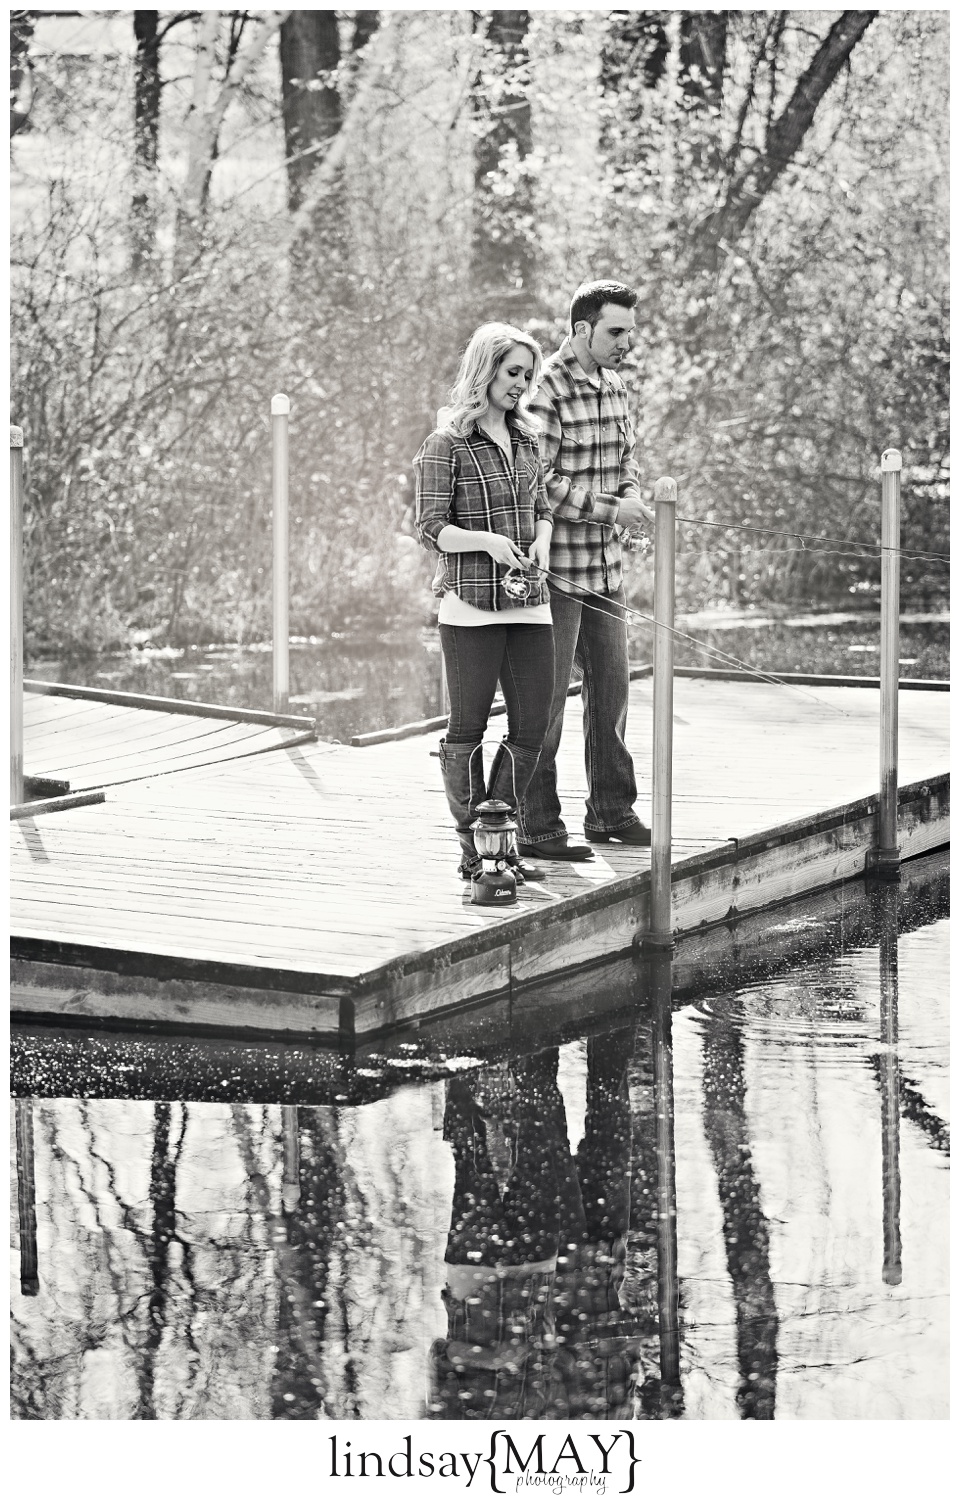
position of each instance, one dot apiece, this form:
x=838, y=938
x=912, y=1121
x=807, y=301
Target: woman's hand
x=539, y=552
x=504, y=551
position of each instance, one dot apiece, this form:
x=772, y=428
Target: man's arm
x=569, y=500
x=629, y=468
x=632, y=510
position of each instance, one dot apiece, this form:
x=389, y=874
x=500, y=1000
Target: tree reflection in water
x=440, y=1248
x=302, y=1237
x=157, y=1246
x=745, y=1230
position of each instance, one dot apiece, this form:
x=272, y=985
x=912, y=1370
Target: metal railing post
x=660, y=934
x=16, y=615
x=887, y=857
x=280, y=420
x=668, y=1281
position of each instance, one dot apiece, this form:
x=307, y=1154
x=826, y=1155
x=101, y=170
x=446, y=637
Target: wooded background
x=213, y=206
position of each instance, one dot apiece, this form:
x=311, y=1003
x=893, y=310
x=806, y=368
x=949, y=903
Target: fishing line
x=721, y=655
x=865, y=546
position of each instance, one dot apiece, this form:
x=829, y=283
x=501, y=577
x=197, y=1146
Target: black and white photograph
x=480, y=765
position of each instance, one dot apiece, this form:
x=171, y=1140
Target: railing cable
x=720, y=655
x=864, y=547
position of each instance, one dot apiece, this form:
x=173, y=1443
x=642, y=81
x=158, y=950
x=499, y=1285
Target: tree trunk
x=377, y=59
x=312, y=118
x=21, y=30
x=703, y=56
x=146, y=137
x=503, y=247
x=723, y=226
x=201, y=140
x=309, y=59
x=365, y=23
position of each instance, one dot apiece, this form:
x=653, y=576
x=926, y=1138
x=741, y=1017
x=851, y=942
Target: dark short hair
x=589, y=299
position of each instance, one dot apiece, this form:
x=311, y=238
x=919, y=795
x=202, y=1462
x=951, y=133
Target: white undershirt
x=453, y=610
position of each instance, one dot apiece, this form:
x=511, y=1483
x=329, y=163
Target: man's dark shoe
x=556, y=849
x=523, y=869
x=635, y=833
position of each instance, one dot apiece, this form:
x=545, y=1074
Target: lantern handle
x=501, y=744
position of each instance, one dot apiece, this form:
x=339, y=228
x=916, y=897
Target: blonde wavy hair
x=485, y=351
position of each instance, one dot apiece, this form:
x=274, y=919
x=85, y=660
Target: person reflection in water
x=536, y=1248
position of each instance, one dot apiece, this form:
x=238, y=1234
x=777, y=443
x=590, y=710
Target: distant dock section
x=96, y=738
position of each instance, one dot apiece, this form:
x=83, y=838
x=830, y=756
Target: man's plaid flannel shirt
x=466, y=480
x=587, y=446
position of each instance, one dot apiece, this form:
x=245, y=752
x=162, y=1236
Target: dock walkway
x=311, y=888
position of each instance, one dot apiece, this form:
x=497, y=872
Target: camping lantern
x=493, y=835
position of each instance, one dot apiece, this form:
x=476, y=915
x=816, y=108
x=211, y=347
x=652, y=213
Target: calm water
x=353, y=686
x=734, y=1209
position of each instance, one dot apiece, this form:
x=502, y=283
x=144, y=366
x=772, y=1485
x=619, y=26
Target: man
x=587, y=445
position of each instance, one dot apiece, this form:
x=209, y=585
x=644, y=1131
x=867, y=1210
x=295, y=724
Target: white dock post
x=16, y=615
x=660, y=934
x=886, y=858
x=280, y=420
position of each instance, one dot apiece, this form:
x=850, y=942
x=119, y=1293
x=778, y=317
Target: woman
x=482, y=505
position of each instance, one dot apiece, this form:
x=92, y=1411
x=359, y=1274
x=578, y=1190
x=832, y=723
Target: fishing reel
x=636, y=541
x=518, y=583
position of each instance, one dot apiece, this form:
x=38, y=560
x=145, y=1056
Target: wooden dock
x=309, y=889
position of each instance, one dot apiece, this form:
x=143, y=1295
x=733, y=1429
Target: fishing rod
x=512, y=588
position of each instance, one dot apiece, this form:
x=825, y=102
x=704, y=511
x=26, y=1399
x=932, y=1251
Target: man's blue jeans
x=598, y=643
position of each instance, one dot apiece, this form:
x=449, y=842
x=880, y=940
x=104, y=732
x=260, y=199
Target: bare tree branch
x=784, y=139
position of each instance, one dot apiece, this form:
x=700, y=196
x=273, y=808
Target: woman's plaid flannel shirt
x=466, y=480
x=587, y=445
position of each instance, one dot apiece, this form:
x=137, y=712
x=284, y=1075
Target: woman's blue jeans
x=521, y=658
